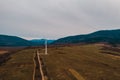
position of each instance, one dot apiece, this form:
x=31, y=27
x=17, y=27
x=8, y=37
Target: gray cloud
x=57, y=18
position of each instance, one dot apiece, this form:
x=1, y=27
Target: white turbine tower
x=46, y=52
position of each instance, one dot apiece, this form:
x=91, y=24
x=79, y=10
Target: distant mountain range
x=6, y=40
x=38, y=42
x=105, y=36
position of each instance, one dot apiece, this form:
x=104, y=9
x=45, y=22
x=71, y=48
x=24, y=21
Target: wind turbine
x=46, y=52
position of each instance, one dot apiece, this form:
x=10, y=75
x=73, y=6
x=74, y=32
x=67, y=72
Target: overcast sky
x=54, y=19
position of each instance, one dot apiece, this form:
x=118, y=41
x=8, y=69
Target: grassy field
x=3, y=52
x=81, y=63
x=19, y=67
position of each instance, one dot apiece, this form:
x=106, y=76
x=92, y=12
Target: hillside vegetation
x=6, y=40
x=38, y=42
x=104, y=36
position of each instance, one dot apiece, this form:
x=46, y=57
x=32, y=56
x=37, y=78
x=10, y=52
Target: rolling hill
x=38, y=42
x=105, y=36
x=6, y=40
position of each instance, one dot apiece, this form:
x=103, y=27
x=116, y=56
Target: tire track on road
x=40, y=66
x=38, y=71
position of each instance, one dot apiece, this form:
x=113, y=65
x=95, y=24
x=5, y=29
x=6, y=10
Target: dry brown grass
x=76, y=74
x=87, y=60
x=84, y=62
x=3, y=52
x=19, y=67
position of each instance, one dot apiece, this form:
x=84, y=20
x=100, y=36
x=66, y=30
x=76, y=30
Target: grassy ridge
x=19, y=67
x=87, y=60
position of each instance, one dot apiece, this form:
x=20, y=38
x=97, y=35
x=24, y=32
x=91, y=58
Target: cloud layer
x=57, y=18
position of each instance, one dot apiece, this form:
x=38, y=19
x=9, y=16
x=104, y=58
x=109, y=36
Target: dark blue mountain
x=6, y=40
x=106, y=36
x=41, y=41
x=12, y=41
